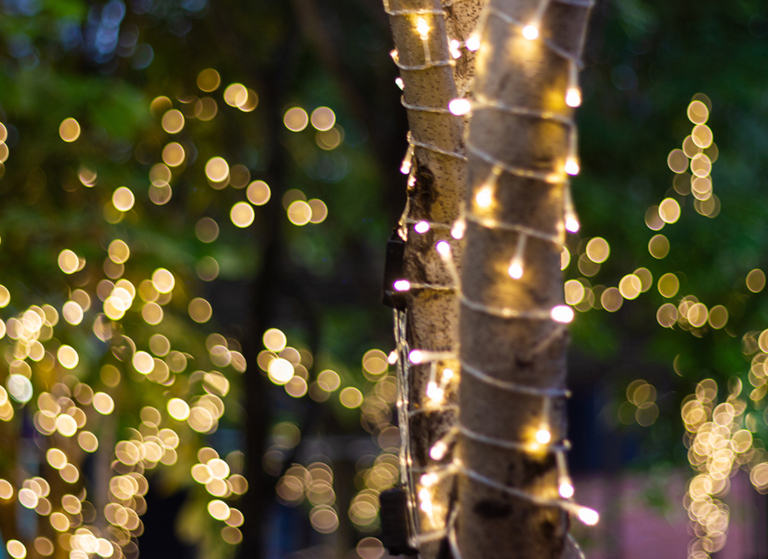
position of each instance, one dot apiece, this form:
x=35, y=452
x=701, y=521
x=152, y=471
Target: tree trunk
x=436, y=168
x=512, y=346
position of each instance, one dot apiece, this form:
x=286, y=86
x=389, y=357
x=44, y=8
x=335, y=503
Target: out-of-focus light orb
x=258, y=193
x=295, y=119
x=103, y=403
x=236, y=95
x=200, y=310
x=19, y=387
x=217, y=169
x=163, y=280
x=208, y=80
x=351, y=397
x=218, y=509
x=173, y=121
x=530, y=32
x=123, y=199
x=598, y=250
x=242, y=214
x=274, y=340
x=173, y=154
x=69, y=263
x=756, y=280
x=207, y=230
x=319, y=210
x=16, y=549
x=668, y=285
x=698, y=113
x=67, y=356
x=299, y=212
x=69, y=130
x=323, y=118
x=178, y=409
x=280, y=371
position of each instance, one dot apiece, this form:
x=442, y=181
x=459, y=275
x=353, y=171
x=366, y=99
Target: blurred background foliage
x=107, y=65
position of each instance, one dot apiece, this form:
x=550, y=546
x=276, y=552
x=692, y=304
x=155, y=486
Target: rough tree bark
x=519, y=96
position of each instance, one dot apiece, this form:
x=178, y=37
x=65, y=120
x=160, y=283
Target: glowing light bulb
x=572, y=166
x=438, y=450
x=422, y=27
x=458, y=229
x=444, y=248
x=416, y=356
x=392, y=357
x=484, y=197
x=447, y=374
x=421, y=227
x=473, y=43
x=460, y=106
x=572, y=224
x=531, y=32
x=402, y=285
x=430, y=479
x=588, y=516
x=566, y=488
x=435, y=393
x=562, y=313
x=405, y=166
x=453, y=46
x=543, y=436
x=573, y=97
x=515, y=269
x=400, y=83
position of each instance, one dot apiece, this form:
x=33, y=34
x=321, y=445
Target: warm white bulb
x=562, y=313
x=460, y=106
x=573, y=97
x=428, y=480
x=572, y=224
x=543, y=436
x=458, y=229
x=416, y=356
x=572, y=166
x=515, y=270
x=531, y=32
x=444, y=248
x=438, y=450
x=588, y=516
x=405, y=167
x=484, y=197
x=566, y=489
x=435, y=393
x=402, y=285
x=421, y=227
x=447, y=374
x=422, y=27
x=400, y=83
x=453, y=46
x=392, y=357
x=473, y=43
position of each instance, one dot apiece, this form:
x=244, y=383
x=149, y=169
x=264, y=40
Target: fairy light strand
x=529, y=447
x=560, y=314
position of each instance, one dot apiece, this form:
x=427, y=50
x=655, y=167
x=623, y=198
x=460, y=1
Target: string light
x=516, y=266
x=573, y=93
x=484, y=198
x=571, y=219
x=421, y=227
